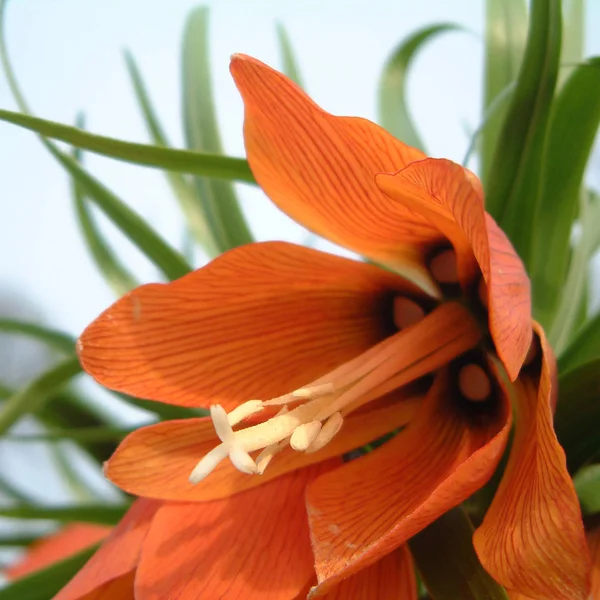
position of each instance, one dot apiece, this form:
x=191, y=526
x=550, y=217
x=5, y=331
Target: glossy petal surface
x=372, y=505
x=116, y=559
x=257, y=322
x=450, y=197
x=320, y=169
x=156, y=461
x=254, y=545
x=532, y=539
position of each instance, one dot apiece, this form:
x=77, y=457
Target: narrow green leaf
x=394, y=115
x=18, y=541
x=183, y=190
x=46, y=583
x=573, y=36
x=131, y=224
x=221, y=208
x=170, y=159
x=55, y=339
x=505, y=36
x=32, y=397
x=446, y=559
x=572, y=129
x=115, y=274
x=84, y=434
x=584, y=347
x=514, y=179
x=168, y=260
x=577, y=417
x=288, y=56
x=587, y=486
x=104, y=514
x=562, y=333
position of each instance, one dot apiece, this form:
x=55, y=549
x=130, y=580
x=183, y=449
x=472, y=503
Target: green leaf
x=514, y=179
x=505, y=36
x=131, y=224
x=587, y=486
x=290, y=64
x=168, y=260
x=584, y=347
x=55, y=339
x=221, y=208
x=84, y=434
x=18, y=541
x=572, y=129
x=562, y=334
x=573, y=36
x=394, y=115
x=46, y=583
x=446, y=559
x=183, y=190
x=104, y=514
x=32, y=397
x=577, y=417
x=170, y=159
x=116, y=275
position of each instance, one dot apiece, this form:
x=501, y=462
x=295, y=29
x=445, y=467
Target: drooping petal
x=532, y=539
x=320, y=169
x=59, y=545
x=371, y=506
x=256, y=322
x=116, y=559
x=254, y=545
x=450, y=197
x=391, y=578
x=156, y=461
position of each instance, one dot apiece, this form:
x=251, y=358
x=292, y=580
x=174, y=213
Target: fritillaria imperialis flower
x=303, y=356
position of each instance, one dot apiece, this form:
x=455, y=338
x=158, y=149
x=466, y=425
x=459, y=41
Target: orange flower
x=341, y=353
x=55, y=547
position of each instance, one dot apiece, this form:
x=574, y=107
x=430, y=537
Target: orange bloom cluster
x=304, y=356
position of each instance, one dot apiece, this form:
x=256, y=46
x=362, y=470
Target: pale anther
x=304, y=435
x=221, y=422
x=242, y=461
x=329, y=430
x=443, y=267
x=208, y=463
x=243, y=411
x=474, y=383
x=264, y=458
x=314, y=391
x=406, y=312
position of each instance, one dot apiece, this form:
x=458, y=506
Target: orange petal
x=593, y=540
x=117, y=557
x=320, y=169
x=156, y=461
x=391, y=578
x=117, y=589
x=258, y=321
x=450, y=197
x=252, y=546
x=55, y=547
x=532, y=539
x=371, y=506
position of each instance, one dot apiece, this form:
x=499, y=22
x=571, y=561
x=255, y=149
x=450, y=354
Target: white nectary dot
x=304, y=435
x=443, y=267
x=474, y=383
x=406, y=312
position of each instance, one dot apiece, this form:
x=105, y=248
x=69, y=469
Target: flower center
x=310, y=416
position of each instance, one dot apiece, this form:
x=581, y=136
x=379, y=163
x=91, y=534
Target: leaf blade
x=52, y=337
x=288, y=56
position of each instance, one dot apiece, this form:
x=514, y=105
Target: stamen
x=406, y=312
x=264, y=458
x=243, y=411
x=443, y=267
x=314, y=391
x=327, y=433
x=221, y=422
x=208, y=463
x=474, y=383
x=242, y=461
x=305, y=435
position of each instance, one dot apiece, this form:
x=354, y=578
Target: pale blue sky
x=68, y=56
